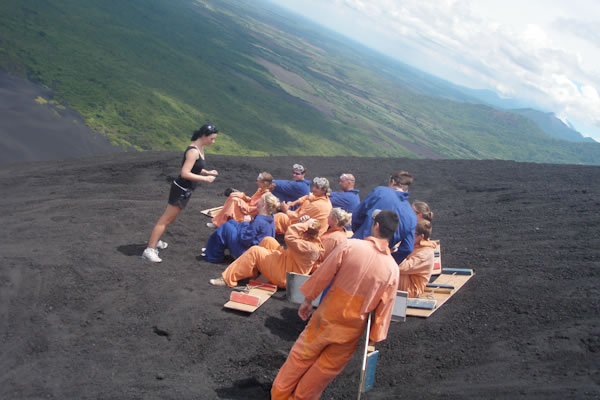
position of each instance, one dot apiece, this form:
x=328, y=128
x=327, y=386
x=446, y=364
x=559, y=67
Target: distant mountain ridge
x=553, y=125
x=145, y=73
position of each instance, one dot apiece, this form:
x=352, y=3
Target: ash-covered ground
x=83, y=317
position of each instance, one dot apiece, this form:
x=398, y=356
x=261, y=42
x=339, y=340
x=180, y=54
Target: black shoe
x=228, y=191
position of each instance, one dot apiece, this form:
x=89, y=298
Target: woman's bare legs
x=161, y=225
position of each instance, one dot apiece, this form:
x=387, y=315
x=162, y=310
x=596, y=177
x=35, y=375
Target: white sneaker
x=211, y=225
x=218, y=282
x=161, y=245
x=151, y=255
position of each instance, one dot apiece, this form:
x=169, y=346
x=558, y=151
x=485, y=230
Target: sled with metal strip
x=439, y=291
x=248, y=298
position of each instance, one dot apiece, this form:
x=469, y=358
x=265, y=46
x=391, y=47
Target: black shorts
x=179, y=196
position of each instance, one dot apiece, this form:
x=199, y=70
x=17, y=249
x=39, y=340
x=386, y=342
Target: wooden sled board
x=249, y=300
x=449, y=277
x=211, y=212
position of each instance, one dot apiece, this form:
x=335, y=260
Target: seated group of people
x=313, y=222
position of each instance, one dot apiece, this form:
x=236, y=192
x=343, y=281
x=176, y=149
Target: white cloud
x=547, y=52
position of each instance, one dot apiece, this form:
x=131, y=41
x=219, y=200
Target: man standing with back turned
x=394, y=196
x=365, y=279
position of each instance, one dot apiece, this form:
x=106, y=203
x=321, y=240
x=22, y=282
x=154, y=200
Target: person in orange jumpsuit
x=238, y=204
x=315, y=205
x=336, y=233
x=416, y=269
x=273, y=261
x=365, y=278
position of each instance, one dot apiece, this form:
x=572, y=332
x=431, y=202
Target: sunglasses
x=298, y=173
x=212, y=129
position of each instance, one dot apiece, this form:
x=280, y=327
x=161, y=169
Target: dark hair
x=205, y=130
x=423, y=228
x=402, y=179
x=388, y=223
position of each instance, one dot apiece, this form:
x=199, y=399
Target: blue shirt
x=291, y=190
x=385, y=198
x=346, y=200
x=251, y=233
x=238, y=237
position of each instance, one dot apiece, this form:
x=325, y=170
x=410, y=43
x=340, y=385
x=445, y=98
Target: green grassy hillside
x=147, y=72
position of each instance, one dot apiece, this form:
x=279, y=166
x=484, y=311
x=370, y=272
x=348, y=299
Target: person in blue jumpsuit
x=391, y=197
x=347, y=198
x=292, y=190
x=240, y=236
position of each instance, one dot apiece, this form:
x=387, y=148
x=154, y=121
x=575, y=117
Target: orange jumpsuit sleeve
x=294, y=215
x=324, y=274
x=383, y=313
x=417, y=262
x=304, y=252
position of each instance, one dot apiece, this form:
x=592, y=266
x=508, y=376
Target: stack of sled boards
x=438, y=292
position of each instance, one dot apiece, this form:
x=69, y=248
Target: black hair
x=388, y=223
x=205, y=130
x=402, y=179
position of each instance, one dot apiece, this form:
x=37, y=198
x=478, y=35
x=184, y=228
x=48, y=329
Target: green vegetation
x=147, y=72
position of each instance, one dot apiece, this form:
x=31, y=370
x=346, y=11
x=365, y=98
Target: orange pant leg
x=245, y=266
x=270, y=243
x=273, y=268
x=301, y=358
x=282, y=222
x=310, y=367
x=328, y=365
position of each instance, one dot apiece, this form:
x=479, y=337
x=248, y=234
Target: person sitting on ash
x=238, y=204
x=273, y=261
x=292, y=190
x=347, y=198
x=239, y=237
x=336, y=233
x=315, y=205
x=416, y=269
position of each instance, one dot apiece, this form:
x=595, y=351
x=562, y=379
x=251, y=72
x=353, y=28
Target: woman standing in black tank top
x=192, y=172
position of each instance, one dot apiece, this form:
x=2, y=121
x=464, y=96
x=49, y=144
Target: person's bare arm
x=186, y=169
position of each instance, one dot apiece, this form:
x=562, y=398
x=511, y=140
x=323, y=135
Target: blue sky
x=544, y=52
